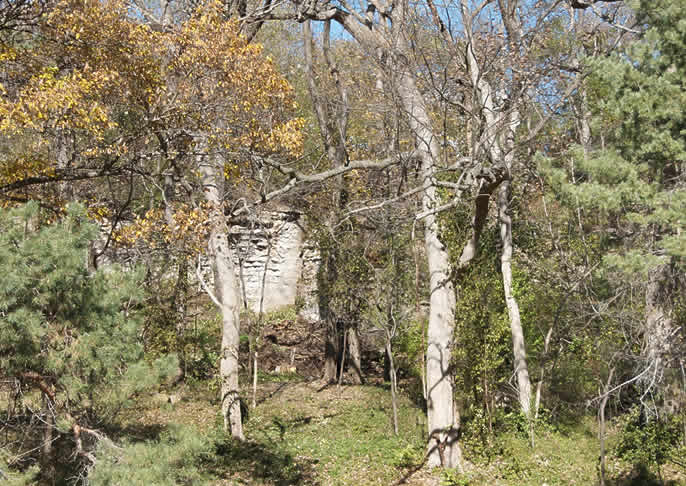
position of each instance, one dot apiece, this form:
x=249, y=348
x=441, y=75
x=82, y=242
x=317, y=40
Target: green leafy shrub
x=647, y=443
x=408, y=457
x=202, y=348
x=452, y=477
x=10, y=477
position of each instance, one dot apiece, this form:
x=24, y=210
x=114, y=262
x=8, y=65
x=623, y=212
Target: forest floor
x=304, y=434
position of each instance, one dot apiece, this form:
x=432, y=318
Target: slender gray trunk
x=539, y=385
x=340, y=374
x=585, y=122
x=226, y=291
x=254, y=380
x=47, y=456
x=601, y=431
x=394, y=399
x=181, y=286
x=355, y=355
x=330, y=352
x=64, y=146
x=518, y=347
x=332, y=126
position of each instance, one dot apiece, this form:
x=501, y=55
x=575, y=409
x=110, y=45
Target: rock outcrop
x=276, y=265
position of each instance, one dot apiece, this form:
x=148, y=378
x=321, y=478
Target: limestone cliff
x=276, y=264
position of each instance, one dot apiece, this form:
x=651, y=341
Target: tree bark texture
x=518, y=347
x=343, y=351
x=658, y=327
x=330, y=353
x=355, y=356
x=47, y=456
x=226, y=291
x=443, y=447
x=394, y=399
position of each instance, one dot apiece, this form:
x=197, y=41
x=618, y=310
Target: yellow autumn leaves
x=188, y=229
x=114, y=84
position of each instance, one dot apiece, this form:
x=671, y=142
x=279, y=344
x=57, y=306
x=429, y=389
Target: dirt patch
x=291, y=344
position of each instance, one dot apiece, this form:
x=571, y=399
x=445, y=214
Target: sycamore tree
x=461, y=77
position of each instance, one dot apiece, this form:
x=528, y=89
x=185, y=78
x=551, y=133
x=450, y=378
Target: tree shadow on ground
x=410, y=388
x=285, y=425
x=641, y=476
x=279, y=388
x=254, y=460
x=135, y=432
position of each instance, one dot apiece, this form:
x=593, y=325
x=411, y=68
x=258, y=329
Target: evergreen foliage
x=71, y=333
x=172, y=459
x=636, y=181
x=626, y=190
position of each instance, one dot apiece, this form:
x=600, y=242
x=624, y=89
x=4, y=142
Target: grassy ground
x=301, y=434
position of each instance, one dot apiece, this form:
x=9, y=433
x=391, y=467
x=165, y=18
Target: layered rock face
x=276, y=265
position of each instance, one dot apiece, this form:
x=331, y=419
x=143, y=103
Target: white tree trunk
x=226, y=291
x=443, y=447
x=394, y=399
x=355, y=356
x=519, y=349
x=539, y=385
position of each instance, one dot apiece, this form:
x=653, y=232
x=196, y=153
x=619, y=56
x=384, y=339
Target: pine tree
x=69, y=336
x=629, y=188
x=637, y=179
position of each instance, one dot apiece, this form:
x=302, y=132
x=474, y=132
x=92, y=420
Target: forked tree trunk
x=499, y=133
x=226, y=292
x=355, y=356
x=443, y=447
x=518, y=347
